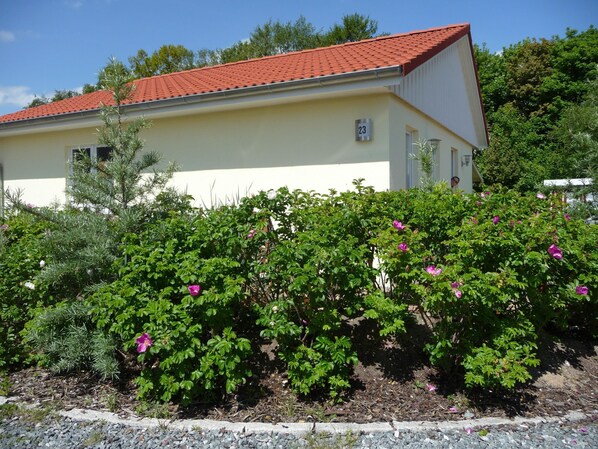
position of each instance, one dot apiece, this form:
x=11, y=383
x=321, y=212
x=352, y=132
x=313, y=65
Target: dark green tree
x=577, y=134
x=534, y=83
x=58, y=95
x=492, y=74
x=167, y=59
x=511, y=158
x=108, y=198
x=354, y=27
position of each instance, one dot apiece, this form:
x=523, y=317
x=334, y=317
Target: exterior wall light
x=465, y=160
x=434, y=143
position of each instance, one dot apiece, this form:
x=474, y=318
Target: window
x=101, y=154
x=454, y=162
x=436, y=161
x=409, y=161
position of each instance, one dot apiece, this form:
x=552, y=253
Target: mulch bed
x=390, y=383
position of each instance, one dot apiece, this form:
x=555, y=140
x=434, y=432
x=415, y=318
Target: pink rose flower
x=194, y=290
x=555, y=251
x=433, y=270
x=398, y=225
x=582, y=290
x=143, y=342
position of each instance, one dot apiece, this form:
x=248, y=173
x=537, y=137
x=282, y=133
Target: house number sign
x=363, y=129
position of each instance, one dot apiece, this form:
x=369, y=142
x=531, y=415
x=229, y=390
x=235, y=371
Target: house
x=313, y=120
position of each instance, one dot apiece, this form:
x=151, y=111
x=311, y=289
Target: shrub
x=66, y=340
x=195, y=349
x=318, y=274
x=22, y=257
x=497, y=280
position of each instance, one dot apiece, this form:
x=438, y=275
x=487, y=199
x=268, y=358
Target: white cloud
x=16, y=95
x=7, y=36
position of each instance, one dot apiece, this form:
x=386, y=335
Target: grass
x=111, y=402
x=29, y=415
x=5, y=385
x=153, y=410
x=326, y=440
x=95, y=437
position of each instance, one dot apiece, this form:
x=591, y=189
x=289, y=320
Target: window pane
x=78, y=153
x=104, y=153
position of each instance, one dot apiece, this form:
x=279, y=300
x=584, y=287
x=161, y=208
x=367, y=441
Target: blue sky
x=62, y=44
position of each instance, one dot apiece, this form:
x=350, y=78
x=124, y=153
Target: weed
x=7, y=411
x=5, y=385
x=459, y=400
x=153, y=410
x=289, y=407
x=95, y=437
x=111, y=402
x=325, y=440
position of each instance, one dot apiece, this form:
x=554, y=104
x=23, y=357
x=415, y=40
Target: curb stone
x=332, y=428
x=303, y=428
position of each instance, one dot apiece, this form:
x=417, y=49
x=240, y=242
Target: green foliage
x=527, y=90
x=195, y=348
x=66, y=340
x=354, y=27
x=318, y=273
x=486, y=273
x=498, y=284
x=21, y=256
x=58, y=95
x=577, y=133
x=167, y=59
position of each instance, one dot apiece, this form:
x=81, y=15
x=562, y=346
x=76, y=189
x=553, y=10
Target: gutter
x=322, y=81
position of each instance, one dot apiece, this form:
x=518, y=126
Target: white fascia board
x=301, y=90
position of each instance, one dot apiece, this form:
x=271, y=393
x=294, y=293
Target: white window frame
x=409, y=162
x=454, y=162
x=93, y=154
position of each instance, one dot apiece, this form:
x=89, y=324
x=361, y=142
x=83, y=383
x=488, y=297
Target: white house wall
x=445, y=88
x=306, y=145
x=403, y=118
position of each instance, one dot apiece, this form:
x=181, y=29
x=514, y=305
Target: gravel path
x=102, y=432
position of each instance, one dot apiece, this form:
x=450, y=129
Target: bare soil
x=390, y=383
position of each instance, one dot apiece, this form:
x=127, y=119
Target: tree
x=274, y=38
x=58, y=95
x=512, y=159
x=577, y=134
x=120, y=186
x=492, y=74
x=107, y=198
x=534, y=83
x=167, y=59
x=354, y=27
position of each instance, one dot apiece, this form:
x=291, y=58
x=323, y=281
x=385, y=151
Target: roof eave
x=90, y=117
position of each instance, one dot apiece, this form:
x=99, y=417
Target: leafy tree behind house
x=526, y=90
x=58, y=95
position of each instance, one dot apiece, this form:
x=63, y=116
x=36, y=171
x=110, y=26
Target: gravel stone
x=65, y=432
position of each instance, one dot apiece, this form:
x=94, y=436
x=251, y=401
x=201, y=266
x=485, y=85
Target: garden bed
x=391, y=382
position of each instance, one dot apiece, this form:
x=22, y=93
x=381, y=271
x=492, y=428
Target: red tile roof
x=406, y=50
